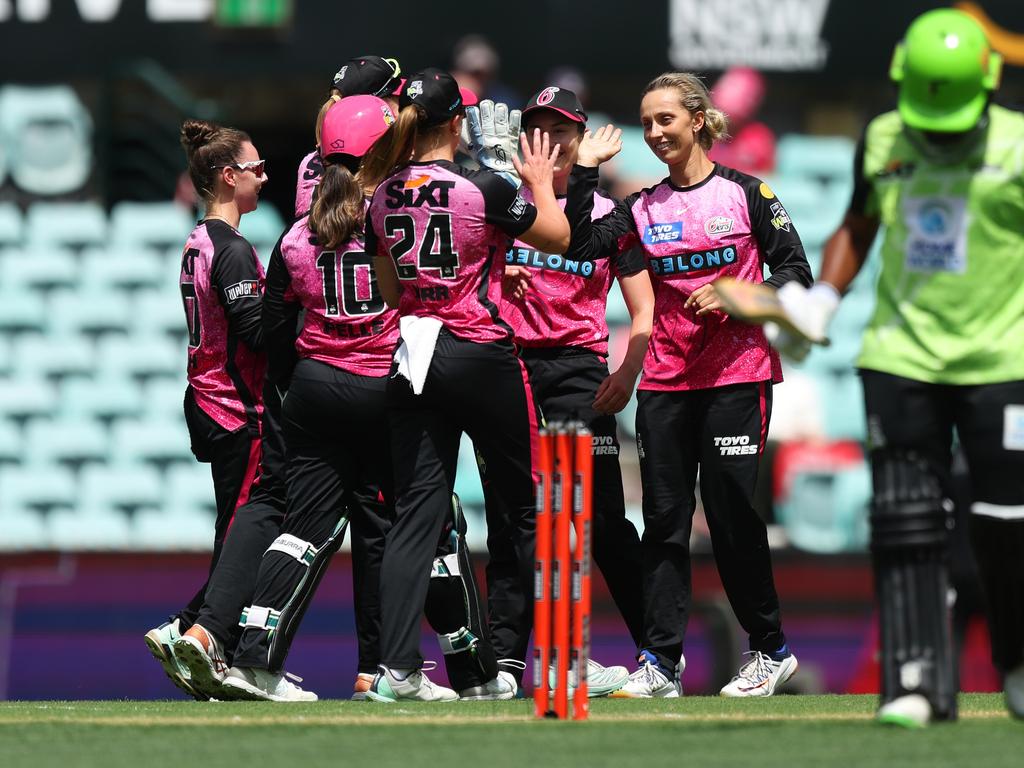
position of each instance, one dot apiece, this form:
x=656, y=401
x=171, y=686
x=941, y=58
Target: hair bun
x=197, y=133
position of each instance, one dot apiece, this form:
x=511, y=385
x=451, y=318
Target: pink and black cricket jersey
x=447, y=230
x=221, y=286
x=347, y=324
x=729, y=224
x=310, y=171
x=566, y=301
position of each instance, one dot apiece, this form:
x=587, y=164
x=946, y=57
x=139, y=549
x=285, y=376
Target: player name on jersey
x=529, y=257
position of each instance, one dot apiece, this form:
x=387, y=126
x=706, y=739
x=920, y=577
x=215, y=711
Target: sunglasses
x=256, y=166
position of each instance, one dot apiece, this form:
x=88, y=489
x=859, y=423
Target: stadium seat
x=150, y=224
x=24, y=530
x=188, y=488
x=163, y=398
x=89, y=528
x=37, y=486
x=843, y=397
x=190, y=530
x=124, y=485
x=159, y=442
x=160, y=312
x=21, y=311
x=12, y=224
x=27, y=397
x=108, y=397
x=48, y=356
x=72, y=224
x=10, y=443
x=65, y=441
x=141, y=356
x=126, y=266
x=88, y=312
x=826, y=510
x=38, y=269
x=826, y=157
x=48, y=135
x=263, y=228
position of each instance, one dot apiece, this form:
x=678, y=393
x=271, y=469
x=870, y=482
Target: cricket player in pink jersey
x=440, y=234
x=559, y=325
x=704, y=400
x=221, y=285
x=363, y=75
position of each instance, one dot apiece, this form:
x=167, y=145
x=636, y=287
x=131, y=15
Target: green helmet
x=945, y=68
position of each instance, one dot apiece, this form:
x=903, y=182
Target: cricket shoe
x=910, y=711
x=254, y=684
x=649, y=681
x=414, y=686
x=601, y=680
x=363, y=682
x=1013, y=686
x=160, y=641
x=501, y=688
x=760, y=676
x=203, y=656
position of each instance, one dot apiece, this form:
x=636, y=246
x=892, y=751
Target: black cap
x=369, y=76
x=561, y=100
x=436, y=92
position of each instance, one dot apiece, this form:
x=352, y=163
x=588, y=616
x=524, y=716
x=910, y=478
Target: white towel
x=419, y=335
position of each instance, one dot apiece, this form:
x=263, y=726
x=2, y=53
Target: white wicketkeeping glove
x=809, y=312
x=491, y=135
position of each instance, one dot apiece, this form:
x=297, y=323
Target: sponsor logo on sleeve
x=780, y=219
x=718, y=225
x=663, y=233
x=518, y=207
x=766, y=191
x=242, y=290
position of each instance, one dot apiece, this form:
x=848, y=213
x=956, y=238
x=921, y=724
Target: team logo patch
x=780, y=219
x=663, y=233
x=718, y=225
x=242, y=290
x=518, y=207
x=338, y=145
x=766, y=191
x=414, y=89
x=546, y=96
x=389, y=117
x=341, y=74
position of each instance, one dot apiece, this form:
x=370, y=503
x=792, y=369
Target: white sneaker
x=389, y=688
x=202, y=654
x=252, y=684
x=601, y=680
x=160, y=641
x=501, y=688
x=760, y=676
x=648, y=682
x=910, y=711
x=1013, y=687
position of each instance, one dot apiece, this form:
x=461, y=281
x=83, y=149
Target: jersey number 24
x=435, y=251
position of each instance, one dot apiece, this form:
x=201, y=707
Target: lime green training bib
x=950, y=304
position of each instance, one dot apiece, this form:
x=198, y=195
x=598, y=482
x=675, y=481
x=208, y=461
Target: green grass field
x=693, y=731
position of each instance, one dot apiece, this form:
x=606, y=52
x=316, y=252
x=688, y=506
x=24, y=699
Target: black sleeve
x=775, y=234
x=370, y=241
x=237, y=282
x=629, y=262
x=610, y=235
x=504, y=207
x=861, y=187
x=280, y=321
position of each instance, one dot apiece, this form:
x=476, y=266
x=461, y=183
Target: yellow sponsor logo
x=766, y=192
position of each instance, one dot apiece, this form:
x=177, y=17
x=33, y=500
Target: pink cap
x=353, y=124
x=469, y=99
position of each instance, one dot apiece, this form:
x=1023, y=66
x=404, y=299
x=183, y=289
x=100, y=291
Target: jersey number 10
x=359, y=294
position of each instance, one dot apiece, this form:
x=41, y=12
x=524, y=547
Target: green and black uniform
x=945, y=347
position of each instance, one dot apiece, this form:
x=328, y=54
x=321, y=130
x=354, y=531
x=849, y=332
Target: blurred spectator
x=475, y=66
x=739, y=93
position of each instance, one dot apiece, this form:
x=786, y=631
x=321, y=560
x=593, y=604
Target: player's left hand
x=516, y=281
x=614, y=392
x=705, y=299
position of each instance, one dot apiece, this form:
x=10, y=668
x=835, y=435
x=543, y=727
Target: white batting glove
x=809, y=312
x=491, y=135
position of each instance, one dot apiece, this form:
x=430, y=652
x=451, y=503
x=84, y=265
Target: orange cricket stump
x=561, y=572
x=542, y=577
x=582, y=514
